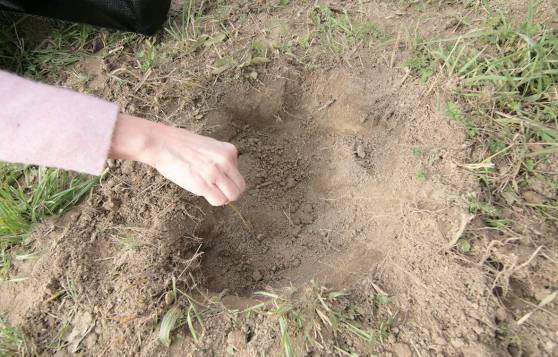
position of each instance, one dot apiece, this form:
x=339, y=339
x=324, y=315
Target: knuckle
x=200, y=186
x=212, y=172
x=231, y=151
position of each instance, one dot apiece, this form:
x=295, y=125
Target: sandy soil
x=354, y=183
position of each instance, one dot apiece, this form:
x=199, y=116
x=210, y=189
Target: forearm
x=50, y=126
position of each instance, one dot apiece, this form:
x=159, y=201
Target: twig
x=247, y=224
x=55, y=296
x=326, y=105
x=530, y=258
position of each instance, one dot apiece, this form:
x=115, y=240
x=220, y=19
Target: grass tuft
x=37, y=57
x=339, y=32
x=321, y=320
x=505, y=94
x=29, y=195
x=507, y=98
x=168, y=324
x=12, y=341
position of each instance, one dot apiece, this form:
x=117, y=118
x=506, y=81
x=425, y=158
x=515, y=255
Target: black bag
x=143, y=16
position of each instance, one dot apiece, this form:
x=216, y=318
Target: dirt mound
x=351, y=176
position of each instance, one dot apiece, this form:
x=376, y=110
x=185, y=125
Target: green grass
x=184, y=26
x=317, y=319
x=12, y=341
x=320, y=319
x=340, y=32
x=29, y=195
x=506, y=96
x=186, y=311
x=24, y=51
x=504, y=77
x=333, y=34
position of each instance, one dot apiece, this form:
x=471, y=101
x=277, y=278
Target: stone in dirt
x=290, y=183
x=169, y=298
x=237, y=339
x=533, y=198
x=257, y=275
x=401, y=350
x=360, y=152
x=90, y=341
x=82, y=324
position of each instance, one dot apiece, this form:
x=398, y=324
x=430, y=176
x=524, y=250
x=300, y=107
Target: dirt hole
x=305, y=158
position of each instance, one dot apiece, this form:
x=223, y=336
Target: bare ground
x=354, y=184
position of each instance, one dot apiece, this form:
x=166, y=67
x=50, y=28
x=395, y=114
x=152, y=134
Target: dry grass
x=505, y=76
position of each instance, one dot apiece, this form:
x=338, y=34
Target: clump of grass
x=507, y=99
x=506, y=334
x=38, y=58
x=186, y=312
x=421, y=63
x=29, y=195
x=12, y=341
x=147, y=56
x=338, y=31
x=334, y=33
x=454, y=113
x=421, y=176
x=320, y=320
x=184, y=26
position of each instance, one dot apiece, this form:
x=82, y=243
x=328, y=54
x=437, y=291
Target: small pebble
x=290, y=183
x=237, y=339
x=253, y=75
x=360, y=151
x=90, y=341
x=500, y=315
x=257, y=276
x=169, y=298
x=534, y=198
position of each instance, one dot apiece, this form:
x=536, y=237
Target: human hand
x=202, y=165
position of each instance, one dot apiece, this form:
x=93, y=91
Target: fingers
x=212, y=182
x=213, y=195
x=228, y=188
x=203, y=166
x=236, y=177
x=230, y=153
x=229, y=163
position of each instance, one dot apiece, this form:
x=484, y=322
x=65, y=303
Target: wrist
x=134, y=139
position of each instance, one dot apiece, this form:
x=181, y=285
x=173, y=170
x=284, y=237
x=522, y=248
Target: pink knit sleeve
x=50, y=126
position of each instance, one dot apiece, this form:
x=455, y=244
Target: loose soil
x=354, y=183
